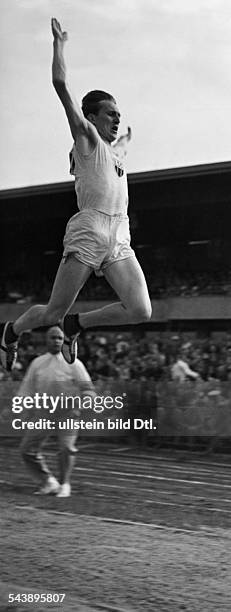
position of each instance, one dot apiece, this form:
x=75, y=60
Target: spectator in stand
x=122, y=346
x=180, y=370
x=103, y=366
x=141, y=356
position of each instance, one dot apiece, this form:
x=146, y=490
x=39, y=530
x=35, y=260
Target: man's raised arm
x=120, y=145
x=78, y=123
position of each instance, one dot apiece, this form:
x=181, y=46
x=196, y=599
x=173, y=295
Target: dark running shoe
x=8, y=350
x=70, y=348
x=71, y=329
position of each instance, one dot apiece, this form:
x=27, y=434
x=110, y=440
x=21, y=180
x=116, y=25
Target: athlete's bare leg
x=127, y=279
x=70, y=278
x=125, y=276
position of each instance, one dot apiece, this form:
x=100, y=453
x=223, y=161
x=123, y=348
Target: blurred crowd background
x=161, y=283
x=140, y=355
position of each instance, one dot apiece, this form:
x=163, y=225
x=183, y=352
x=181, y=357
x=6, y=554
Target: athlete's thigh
x=127, y=279
x=71, y=276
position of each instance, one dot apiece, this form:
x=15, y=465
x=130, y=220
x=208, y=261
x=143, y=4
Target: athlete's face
x=107, y=120
x=54, y=340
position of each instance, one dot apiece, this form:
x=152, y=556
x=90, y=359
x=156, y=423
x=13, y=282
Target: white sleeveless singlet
x=100, y=179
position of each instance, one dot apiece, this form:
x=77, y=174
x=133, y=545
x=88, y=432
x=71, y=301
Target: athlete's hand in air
x=57, y=31
x=129, y=133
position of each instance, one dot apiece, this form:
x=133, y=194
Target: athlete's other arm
x=124, y=138
x=80, y=127
x=122, y=142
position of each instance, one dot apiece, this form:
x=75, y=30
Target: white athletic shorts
x=97, y=239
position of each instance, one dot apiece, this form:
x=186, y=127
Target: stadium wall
x=171, y=309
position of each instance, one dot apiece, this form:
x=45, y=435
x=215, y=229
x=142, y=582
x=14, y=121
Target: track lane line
x=91, y=518
x=151, y=477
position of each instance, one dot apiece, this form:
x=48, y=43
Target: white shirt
x=51, y=374
x=100, y=179
x=181, y=370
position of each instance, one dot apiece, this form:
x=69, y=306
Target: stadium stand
x=180, y=221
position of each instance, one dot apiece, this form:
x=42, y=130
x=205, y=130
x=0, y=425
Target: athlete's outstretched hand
x=120, y=145
x=129, y=133
x=57, y=31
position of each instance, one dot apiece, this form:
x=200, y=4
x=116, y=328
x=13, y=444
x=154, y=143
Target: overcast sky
x=167, y=63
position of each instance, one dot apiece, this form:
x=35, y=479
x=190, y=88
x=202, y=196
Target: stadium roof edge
x=135, y=177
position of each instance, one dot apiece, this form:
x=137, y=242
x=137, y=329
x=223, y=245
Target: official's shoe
x=51, y=487
x=64, y=490
x=8, y=350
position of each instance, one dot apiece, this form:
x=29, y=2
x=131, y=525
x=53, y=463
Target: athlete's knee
x=52, y=316
x=142, y=313
x=147, y=312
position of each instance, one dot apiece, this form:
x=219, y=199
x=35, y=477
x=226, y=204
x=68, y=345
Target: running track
x=169, y=491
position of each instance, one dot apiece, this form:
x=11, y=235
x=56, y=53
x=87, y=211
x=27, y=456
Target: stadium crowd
x=139, y=355
x=161, y=283
x=181, y=380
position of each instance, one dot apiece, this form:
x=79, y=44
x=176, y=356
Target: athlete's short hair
x=90, y=102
